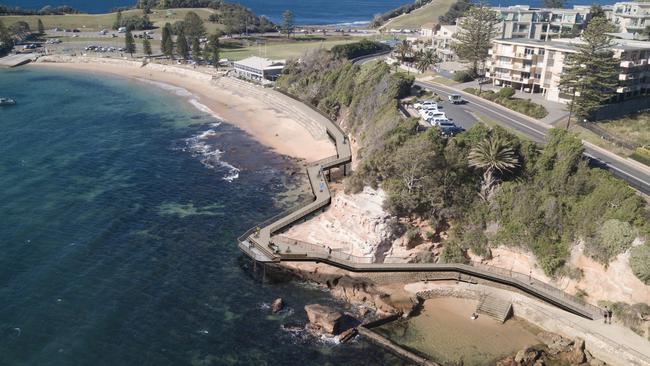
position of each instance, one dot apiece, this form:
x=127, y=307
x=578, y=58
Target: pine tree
x=196, y=49
x=475, y=33
x=212, y=51
x=591, y=74
x=167, y=44
x=287, y=22
x=129, y=43
x=181, y=45
x=41, y=27
x=146, y=46
x=118, y=20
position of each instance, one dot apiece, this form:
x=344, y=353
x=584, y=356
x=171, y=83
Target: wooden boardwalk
x=261, y=244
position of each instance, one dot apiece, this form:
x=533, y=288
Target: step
x=495, y=307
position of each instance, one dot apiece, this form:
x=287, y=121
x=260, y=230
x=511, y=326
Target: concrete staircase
x=494, y=307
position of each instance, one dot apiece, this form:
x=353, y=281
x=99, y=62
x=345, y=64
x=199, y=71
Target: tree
x=196, y=49
x=212, y=49
x=41, y=27
x=193, y=26
x=424, y=60
x=118, y=20
x=146, y=46
x=597, y=11
x=167, y=43
x=591, y=74
x=181, y=45
x=475, y=33
x=6, y=42
x=403, y=49
x=287, y=22
x=493, y=155
x=553, y=4
x=640, y=262
x=129, y=43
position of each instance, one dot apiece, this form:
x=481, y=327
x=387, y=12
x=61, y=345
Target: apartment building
x=631, y=17
x=523, y=21
x=535, y=66
x=442, y=40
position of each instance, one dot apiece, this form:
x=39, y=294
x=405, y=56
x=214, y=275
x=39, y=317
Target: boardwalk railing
x=260, y=243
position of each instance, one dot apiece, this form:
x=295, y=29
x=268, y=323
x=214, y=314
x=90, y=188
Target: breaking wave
x=210, y=155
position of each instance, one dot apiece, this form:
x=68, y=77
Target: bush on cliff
x=640, y=262
x=358, y=49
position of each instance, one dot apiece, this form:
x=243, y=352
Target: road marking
x=609, y=164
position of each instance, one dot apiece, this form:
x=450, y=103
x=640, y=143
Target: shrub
x=453, y=253
x=640, y=262
x=464, y=76
x=613, y=238
x=506, y=93
x=358, y=49
x=412, y=234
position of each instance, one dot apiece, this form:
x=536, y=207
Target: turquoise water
x=119, y=208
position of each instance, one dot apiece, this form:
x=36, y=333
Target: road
x=464, y=115
x=635, y=174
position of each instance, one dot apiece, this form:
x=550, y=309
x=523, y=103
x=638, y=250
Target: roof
x=261, y=63
x=569, y=44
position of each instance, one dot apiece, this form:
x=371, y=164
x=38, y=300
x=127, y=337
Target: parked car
x=428, y=104
x=449, y=129
x=456, y=99
x=427, y=115
x=121, y=30
x=438, y=121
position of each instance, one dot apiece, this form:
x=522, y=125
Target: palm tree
x=492, y=155
x=403, y=48
x=426, y=59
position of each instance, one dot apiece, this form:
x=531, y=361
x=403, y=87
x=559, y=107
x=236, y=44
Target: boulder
x=576, y=355
x=527, y=356
x=277, y=305
x=347, y=335
x=324, y=318
x=509, y=361
x=555, y=342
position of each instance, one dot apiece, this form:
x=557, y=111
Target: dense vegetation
x=6, y=41
x=358, y=49
x=235, y=18
x=132, y=22
x=404, y=9
x=456, y=11
x=46, y=10
x=485, y=187
x=505, y=97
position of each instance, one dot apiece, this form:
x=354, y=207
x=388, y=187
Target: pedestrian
x=609, y=315
x=605, y=314
x=329, y=251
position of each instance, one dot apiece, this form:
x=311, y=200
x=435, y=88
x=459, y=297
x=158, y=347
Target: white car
x=434, y=114
x=428, y=104
x=439, y=121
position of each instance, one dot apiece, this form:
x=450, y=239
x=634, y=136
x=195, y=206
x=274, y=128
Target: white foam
x=182, y=92
x=210, y=155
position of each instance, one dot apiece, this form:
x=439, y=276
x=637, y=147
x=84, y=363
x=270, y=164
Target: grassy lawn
x=281, y=50
x=635, y=129
x=97, y=22
x=426, y=14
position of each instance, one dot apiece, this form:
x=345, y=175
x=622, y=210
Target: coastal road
x=636, y=175
x=466, y=115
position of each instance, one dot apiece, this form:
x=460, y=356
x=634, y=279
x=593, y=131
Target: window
x=541, y=51
x=529, y=51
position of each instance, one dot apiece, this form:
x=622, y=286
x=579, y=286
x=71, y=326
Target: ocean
x=120, y=204
x=306, y=12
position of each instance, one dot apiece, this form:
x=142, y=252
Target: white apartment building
x=631, y=17
x=524, y=21
x=442, y=40
x=259, y=68
x=535, y=66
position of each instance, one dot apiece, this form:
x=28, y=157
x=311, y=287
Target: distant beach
x=269, y=117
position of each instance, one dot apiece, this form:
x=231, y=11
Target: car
x=428, y=104
x=450, y=129
x=434, y=114
x=437, y=121
x=456, y=99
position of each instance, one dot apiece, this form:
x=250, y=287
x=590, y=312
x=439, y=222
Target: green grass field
x=426, y=14
x=282, y=49
x=97, y=22
x=635, y=129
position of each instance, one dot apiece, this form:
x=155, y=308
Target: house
x=259, y=68
x=536, y=66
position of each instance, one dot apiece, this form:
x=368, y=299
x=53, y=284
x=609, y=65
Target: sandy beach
x=275, y=120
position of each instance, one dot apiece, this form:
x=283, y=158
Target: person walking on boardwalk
x=609, y=315
x=605, y=315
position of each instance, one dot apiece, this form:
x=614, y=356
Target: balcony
x=624, y=77
x=627, y=64
x=524, y=56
